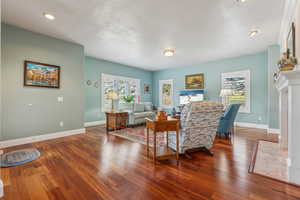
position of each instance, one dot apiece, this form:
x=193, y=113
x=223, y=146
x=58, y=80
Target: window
x=239, y=85
x=124, y=86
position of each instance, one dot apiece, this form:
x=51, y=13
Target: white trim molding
x=289, y=15
x=246, y=74
x=38, y=138
x=1, y=188
x=251, y=125
x=94, y=123
x=273, y=130
x=112, y=78
x=259, y=126
x=1, y=183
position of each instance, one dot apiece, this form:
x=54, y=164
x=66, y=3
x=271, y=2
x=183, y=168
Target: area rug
x=18, y=157
x=270, y=161
x=139, y=135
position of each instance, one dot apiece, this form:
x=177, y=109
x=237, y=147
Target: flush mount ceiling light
x=49, y=16
x=169, y=52
x=253, y=33
x=241, y=1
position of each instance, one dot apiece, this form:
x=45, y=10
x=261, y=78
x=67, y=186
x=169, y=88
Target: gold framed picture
x=194, y=81
x=41, y=75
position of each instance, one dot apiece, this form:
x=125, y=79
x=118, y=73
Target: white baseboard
x=273, y=130
x=1, y=183
x=1, y=188
x=95, y=123
x=38, y=138
x=251, y=125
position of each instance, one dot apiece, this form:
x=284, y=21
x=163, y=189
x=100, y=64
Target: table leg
x=167, y=139
x=147, y=141
x=154, y=147
x=177, y=146
x=106, y=124
x=232, y=135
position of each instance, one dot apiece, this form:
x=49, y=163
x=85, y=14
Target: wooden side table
x=116, y=120
x=163, y=126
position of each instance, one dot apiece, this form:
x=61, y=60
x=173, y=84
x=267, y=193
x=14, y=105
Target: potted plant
x=128, y=99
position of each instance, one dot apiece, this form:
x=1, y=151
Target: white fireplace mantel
x=288, y=78
x=288, y=85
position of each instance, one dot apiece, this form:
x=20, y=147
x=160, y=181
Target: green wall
x=93, y=69
x=257, y=64
x=19, y=119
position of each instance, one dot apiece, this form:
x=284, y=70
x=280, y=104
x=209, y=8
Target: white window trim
x=115, y=77
x=247, y=75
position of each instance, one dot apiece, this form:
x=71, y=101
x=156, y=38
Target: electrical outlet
x=61, y=124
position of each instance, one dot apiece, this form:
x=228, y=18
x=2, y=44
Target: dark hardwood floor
x=96, y=166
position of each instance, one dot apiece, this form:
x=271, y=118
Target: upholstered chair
x=199, y=122
x=226, y=125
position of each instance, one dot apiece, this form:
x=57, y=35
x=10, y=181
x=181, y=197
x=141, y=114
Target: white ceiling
x=136, y=32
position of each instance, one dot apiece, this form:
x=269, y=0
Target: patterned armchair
x=199, y=123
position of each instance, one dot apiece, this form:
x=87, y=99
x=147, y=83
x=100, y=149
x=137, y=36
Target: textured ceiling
x=136, y=32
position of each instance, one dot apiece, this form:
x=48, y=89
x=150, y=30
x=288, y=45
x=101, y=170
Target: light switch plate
x=60, y=99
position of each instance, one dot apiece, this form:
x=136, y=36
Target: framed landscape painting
x=41, y=75
x=194, y=81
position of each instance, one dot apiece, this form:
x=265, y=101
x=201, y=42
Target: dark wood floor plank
x=99, y=166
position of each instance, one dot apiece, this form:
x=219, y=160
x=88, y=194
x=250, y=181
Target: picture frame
x=38, y=74
x=147, y=89
x=239, y=82
x=166, y=93
x=291, y=41
x=194, y=82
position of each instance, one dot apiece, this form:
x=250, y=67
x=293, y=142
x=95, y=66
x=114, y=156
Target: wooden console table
x=116, y=120
x=163, y=126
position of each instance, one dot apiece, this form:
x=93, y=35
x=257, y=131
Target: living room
x=92, y=93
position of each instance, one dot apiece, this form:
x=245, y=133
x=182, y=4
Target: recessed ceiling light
x=241, y=1
x=169, y=52
x=49, y=16
x=253, y=33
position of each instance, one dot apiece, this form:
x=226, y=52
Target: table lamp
x=112, y=95
x=225, y=93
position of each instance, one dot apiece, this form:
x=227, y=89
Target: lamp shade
x=112, y=95
x=226, y=92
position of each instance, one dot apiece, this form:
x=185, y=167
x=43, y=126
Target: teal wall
x=93, y=69
x=273, y=105
x=258, y=65
x=0, y=92
x=19, y=119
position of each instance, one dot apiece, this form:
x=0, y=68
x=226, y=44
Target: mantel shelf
x=287, y=78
